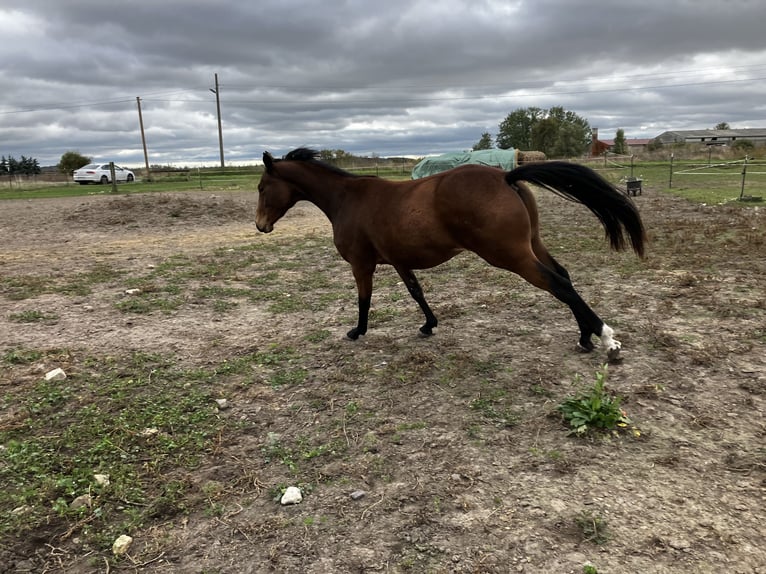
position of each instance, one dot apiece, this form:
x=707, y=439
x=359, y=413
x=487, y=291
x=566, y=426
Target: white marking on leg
x=612, y=345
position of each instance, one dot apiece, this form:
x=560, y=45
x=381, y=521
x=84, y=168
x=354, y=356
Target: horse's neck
x=324, y=189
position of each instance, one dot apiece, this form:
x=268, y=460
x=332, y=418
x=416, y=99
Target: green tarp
x=502, y=158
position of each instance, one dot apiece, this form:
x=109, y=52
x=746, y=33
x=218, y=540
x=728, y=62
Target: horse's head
x=275, y=195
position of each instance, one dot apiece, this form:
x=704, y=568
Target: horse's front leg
x=363, y=277
x=413, y=286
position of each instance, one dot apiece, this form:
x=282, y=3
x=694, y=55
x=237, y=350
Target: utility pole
x=217, y=93
x=143, y=138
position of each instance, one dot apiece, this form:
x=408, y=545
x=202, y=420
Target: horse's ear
x=268, y=161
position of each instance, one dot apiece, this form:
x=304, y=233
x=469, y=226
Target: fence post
x=744, y=173
x=670, y=181
x=114, y=179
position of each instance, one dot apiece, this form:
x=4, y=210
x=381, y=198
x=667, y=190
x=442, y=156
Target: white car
x=99, y=173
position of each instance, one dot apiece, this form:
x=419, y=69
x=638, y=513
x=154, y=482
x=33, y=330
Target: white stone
x=81, y=502
x=223, y=404
x=101, y=479
x=122, y=544
x=57, y=374
x=132, y=291
x=146, y=433
x=291, y=496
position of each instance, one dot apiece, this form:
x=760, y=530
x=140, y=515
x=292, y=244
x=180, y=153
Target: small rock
x=357, y=494
x=21, y=510
x=291, y=496
x=223, y=404
x=81, y=502
x=146, y=433
x=101, y=479
x=272, y=438
x=132, y=291
x=679, y=543
x=121, y=545
x=57, y=374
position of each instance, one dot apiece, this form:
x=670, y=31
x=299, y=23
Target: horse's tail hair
x=617, y=213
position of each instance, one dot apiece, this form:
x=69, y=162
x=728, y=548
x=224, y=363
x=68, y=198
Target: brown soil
x=451, y=483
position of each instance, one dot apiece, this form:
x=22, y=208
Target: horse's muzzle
x=264, y=228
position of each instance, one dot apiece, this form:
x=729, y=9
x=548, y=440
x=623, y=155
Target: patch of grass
x=134, y=419
x=30, y=286
x=21, y=357
x=593, y=527
x=288, y=377
x=317, y=336
x=33, y=316
x=594, y=408
x=491, y=405
x=23, y=287
x=303, y=450
x=152, y=297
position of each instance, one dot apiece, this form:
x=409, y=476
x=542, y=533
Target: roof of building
x=738, y=133
x=629, y=141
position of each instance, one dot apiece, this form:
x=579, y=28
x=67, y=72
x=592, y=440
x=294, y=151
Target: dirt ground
x=449, y=486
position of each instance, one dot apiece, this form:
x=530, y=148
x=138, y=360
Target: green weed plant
x=594, y=409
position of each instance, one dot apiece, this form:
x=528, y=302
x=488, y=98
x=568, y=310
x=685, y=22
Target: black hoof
x=353, y=334
x=585, y=348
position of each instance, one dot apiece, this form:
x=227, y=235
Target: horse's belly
x=418, y=255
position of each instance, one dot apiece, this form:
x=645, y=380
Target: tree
x=484, y=143
x=29, y=166
x=72, y=160
x=23, y=166
x=543, y=136
x=556, y=132
x=570, y=141
x=743, y=146
x=722, y=126
x=620, y=145
x=515, y=131
x=654, y=145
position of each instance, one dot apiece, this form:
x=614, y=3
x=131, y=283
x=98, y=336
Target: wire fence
x=746, y=175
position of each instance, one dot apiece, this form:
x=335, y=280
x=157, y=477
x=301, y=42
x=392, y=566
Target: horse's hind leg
x=547, y=259
x=552, y=279
x=413, y=286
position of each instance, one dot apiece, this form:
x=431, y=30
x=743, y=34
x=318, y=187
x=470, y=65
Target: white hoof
x=612, y=345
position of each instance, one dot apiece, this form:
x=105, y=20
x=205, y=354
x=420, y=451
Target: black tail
x=615, y=210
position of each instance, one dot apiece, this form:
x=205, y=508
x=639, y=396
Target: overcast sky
x=399, y=77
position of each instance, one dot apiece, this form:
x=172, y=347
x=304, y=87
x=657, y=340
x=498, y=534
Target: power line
x=518, y=91
x=357, y=100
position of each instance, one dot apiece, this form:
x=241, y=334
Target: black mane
x=311, y=155
x=302, y=154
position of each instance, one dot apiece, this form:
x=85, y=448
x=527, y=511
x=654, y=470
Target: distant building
x=599, y=146
x=713, y=137
x=633, y=145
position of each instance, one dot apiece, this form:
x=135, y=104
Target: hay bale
x=530, y=156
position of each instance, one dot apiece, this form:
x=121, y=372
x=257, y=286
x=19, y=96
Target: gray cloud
x=403, y=78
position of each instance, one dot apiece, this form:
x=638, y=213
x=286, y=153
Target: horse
x=419, y=224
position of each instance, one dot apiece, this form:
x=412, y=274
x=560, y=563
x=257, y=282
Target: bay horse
x=422, y=223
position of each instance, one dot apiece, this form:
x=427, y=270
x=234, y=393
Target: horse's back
x=481, y=190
